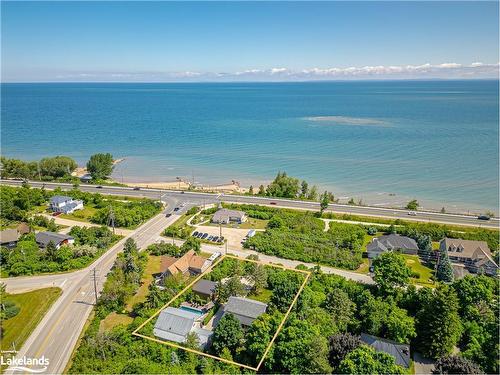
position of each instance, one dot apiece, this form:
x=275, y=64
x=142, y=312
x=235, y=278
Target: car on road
x=98, y=187
x=176, y=209
x=483, y=217
x=168, y=215
x=273, y=203
x=412, y=213
x=137, y=188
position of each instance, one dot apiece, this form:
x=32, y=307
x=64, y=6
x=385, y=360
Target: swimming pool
x=191, y=309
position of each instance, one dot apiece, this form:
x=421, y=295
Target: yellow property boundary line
x=307, y=273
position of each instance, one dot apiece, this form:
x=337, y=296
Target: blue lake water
x=436, y=141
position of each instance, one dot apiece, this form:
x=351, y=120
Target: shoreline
x=376, y=199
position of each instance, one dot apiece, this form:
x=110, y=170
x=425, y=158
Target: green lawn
x=252, y=223
x=263, y=296
x=33, y=306
x=152, y=267
x=81, y=215
x=413, y=262
x=114, y=319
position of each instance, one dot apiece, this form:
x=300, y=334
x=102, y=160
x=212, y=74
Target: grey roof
x=224, y=214
x=205, y=287
x=9, y=235
x=69, y=207
x=203, y=335
x=392, y=242
x=174, y=324
x=43, y=238
x=400, y=352
x=244, y=309
x=58, y=199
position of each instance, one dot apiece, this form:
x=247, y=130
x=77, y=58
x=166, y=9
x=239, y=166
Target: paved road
x=202, y=198
x=56, y=335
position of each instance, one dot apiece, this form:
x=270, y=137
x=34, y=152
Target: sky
x=247, y=41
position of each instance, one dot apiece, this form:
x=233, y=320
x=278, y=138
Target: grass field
x=152, y=267
x=413, y=262
x=81, y=215
x=33, y=306
x=263, y=296
x=114, y=319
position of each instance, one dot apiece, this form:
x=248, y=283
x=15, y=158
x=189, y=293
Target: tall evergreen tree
x=444, y=270
x=438, y=323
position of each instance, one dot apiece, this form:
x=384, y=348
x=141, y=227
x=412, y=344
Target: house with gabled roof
x=391, y=242
x=58, y=239
x=244, y=309
x=400, y=352
x=175, y=324
x=225, y=216
x=65, y=204
x=474, y=255
x=188, y=263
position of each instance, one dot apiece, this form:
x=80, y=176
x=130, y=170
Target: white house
x=64, y=204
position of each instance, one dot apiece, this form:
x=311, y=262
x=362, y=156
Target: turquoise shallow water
x=436, y=141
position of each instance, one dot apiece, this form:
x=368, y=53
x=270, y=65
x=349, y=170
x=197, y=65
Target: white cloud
x=446, y=70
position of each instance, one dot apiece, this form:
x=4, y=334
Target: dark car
x=176, y=209
x=137, y=188
x=168, y=215
x=195, y=234
x=98, y=187
x=215, y=239
x=273, y=203
x=200, y=235
x=205, y=235
x=483, y=217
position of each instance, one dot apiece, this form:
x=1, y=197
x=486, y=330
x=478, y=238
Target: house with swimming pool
x=175, y=324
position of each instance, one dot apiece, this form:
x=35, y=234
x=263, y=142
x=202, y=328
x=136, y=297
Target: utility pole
x=111, y=218
x=94, y=276
x=226, y=249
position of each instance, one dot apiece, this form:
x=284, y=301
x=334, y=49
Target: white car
x=412, y=213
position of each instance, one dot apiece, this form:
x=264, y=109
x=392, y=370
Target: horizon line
x=270, y=81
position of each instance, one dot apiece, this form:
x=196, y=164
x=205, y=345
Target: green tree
x=58, y=166
x=227, y=334
x=260, y=333
x=262, y=190
x=130, y=247
x=444, y=270
x=250, y=190
x=313, y=193
x=283, y=186
x=232, y=287
x=100, y=166
x=391, y=272
x=324, y=201
x=455, y=365
x=191, y=243
x=385, y=319
x=304, y=188
x=438, y=323
x=51, y=251
x=154, y=297
x=192, y=341
x=365, y=360
x=412, y=205
x=258, y=275
x=341, y=345
x=341, y=307
x=300, y=349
